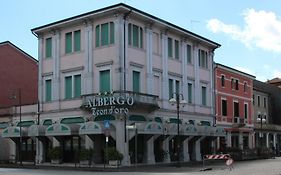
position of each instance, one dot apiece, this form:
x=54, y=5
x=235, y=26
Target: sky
x=249, y=31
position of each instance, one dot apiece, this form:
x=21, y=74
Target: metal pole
x=136, y=146
x=20, y=151
x=178, y=127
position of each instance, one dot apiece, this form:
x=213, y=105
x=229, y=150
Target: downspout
x=124, y=47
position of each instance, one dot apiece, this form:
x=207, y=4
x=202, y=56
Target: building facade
x=234, y=112
x=19, y=77
x=107, y=77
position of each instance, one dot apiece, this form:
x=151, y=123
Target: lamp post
x=15, y=96
x=261, y=120
x=179, y=100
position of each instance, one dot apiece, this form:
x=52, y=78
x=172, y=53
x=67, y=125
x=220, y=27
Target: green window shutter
x=77, y=40
x=48, y=95
x=189, y=86
x=204, y=96
x=170, y=88
x=68, y=87
x=188, y=53
x=104, y=34
x=177, y=86
x=105, y=81
x=206, y=59
x=112, y=33
x=98, y=36
x=136, y=81
x=141, y=38
x=130, y=34
x=135, y=36
x=48, y=47
x=77, y=86
x=68, y=42
x=177, y=51
x=199, y=57
x=170, y=47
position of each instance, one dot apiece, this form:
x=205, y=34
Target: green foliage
x=86, y=154
x=114, y=154
x=55, y=153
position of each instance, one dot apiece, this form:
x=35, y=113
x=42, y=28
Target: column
x=251, y=140
x=274, y=140
x=197, y=87
x=13, y=150
x=166, y=149
x=229, y=144
x=119, y=36
x=198, y=156
x=40, y=65
x=88, y=59
x=150, y=151
x=186, y=156
x=184, y=69
x=240, y=140
x=267, y=139
x=212, y=79
x=89, y=144
x=121, y=145
x=56, y=66
x=39, y=151
x=165, y=79
x=149, y=73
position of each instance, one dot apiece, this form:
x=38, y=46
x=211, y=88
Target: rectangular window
x=245, y=111
x=253, y=99
x=68, y=87
x=77, y=40
x=203, y=60
x=245, y=87
x=171, y=88
x=177, y=51
x=135, y=36
x=48, y=48
x=48, y=90
x=204, y=96
x=236, y=109
x=136, y=81
x=170, y=47
x=224, y=107
x=188, y=53
x=264, y=102
x=222, y=80
x=259, y=102
x=236, y=84
x=68, y=42
x=105, y=34
x=105, y=81
x=189, y=98
x=77, y=86
x=232, y=83
x=177, y=86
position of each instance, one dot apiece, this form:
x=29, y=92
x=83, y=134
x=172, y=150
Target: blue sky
x=249, y=31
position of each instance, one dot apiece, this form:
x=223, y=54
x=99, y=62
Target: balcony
x=123, y=99
x=238, y=122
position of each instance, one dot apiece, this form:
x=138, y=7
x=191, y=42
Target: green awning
x=4, y=125
x=90, y=128
x=47, y=122
x=191, y=122
x=175, y=120
x=190, y=130
x=137, y=118
x=205, y=123
x=72, y=120
x=153, y=128
x=62, y=129
x=104, y=117
x=14, y=131
x=158, y=119
x=26, y=123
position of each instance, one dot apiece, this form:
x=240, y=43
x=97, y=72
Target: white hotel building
x=91, y=63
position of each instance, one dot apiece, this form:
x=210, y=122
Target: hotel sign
x=109, y=105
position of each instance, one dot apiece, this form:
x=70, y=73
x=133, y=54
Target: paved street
x=257, y=167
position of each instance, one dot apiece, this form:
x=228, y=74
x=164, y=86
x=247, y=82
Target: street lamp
x=179, y=100
x=261, y=119
x=14, y=96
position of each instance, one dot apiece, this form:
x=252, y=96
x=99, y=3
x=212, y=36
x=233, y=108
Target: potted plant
x=114, y=156
x=85, y=156
x=55, y=154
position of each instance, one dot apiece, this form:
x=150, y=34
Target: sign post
x=106, y=133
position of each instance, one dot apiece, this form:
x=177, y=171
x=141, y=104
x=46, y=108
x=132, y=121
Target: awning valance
x=14, y=131
x=26, y=123
x=36, y=130
x=137, y=118
x=150, y=128
x=47, y=122
x=62, y=129
x=90, y=128
x=4, y=125
x=104, y=117
x=175, y=120
x=190, y=129
x=72, y=120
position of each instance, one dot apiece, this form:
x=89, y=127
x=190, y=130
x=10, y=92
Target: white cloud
x=262, y=29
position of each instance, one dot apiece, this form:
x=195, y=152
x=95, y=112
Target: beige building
x=107, y=76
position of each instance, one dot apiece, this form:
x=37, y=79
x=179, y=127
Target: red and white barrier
x=216, y=156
